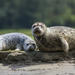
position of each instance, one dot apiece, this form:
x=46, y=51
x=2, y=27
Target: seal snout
x=32, y=47
x=37, y=30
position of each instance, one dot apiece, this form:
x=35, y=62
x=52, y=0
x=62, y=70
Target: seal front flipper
x=65, y=45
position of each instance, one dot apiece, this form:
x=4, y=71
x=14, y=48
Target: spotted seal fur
x=17, y=41
x=56, y=38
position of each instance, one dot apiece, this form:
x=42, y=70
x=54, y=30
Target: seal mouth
x=37, y=31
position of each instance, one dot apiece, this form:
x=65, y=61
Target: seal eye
x=27, y=44
x=33, y=26
x=33, y=44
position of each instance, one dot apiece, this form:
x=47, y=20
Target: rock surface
x=36, y=63
x=34, y=56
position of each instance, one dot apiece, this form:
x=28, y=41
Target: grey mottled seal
x=54, y=38
x=18, y=41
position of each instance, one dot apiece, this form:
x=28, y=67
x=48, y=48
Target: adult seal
x=56, y=38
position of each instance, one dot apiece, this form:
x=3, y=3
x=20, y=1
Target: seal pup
x=56, y=38
x=17, y=41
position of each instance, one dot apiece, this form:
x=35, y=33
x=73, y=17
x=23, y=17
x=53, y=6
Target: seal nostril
x=31, y=48
x=33, y=44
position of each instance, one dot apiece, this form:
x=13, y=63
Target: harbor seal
x=17, y=41
x=56, y=38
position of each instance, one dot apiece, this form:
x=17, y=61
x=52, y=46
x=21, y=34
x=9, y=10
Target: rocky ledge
x=33, y=56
